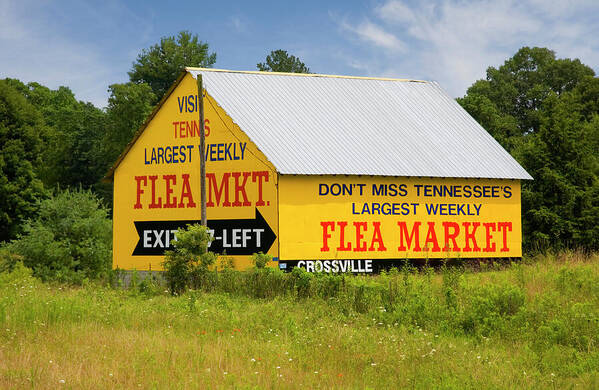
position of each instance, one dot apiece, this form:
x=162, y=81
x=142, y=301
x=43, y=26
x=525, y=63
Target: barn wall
x=369, y=217
x=157, y=190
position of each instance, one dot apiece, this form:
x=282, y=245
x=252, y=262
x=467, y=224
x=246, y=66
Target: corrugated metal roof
x=322, y=125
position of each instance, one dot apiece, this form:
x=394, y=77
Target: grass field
x=526, y=326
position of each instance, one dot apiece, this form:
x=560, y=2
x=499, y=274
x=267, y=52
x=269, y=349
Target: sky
x=89, y=45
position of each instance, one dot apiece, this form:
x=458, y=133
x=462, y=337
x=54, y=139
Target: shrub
x=301, y=280
x=260, y=259
x=70, y=240
x=490, y=308
x=18, y=273
x=187, y=264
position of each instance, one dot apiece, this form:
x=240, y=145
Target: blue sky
x=88, y=45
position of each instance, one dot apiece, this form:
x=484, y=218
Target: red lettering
x=186, y=193
x=504, y=227
x=206, y=127
x=431, y=237
x=139, y=179
x=154, y=204
x=240, y=189
x=488, y=228
x=185, y=129
x=170, y=203
x=403, y=232
x=260, y=175
x=213, y=187
x=326, y=235
x=470, y=236
x=360, y=246
x=377, y=237
x=342, y=246
x=451, y=236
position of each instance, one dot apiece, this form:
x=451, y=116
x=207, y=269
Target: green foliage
x=266, y=283
x=149, y=285
x=260, y=259
x=451, y=285
x=129, y=105
x=160, y=65
x=17, y=274
x=49, y=138
x=187, y=264
x=545, y=112
x=69, y=240
x=72, y=153
x=451, y=301
x=518, y=88
x=533, y=324
x=577, y=281
x=22, y=133
x=281, y=61
x=76, y=151
x=489, y=307
x=302, y=281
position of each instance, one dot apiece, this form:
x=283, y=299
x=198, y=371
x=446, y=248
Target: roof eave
x=193, y=69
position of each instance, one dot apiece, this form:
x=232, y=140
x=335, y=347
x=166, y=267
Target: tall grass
x=533, y=324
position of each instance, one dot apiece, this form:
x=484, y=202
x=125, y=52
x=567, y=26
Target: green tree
x=160, y=65
x=72, y=152
x=515, y=92
x=69, y=240
x=545, y=111
x=128, y=107
x=281, y=61
x=76, y=150
x=22, y=132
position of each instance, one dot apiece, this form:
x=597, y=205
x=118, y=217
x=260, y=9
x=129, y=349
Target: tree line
x=543, y=110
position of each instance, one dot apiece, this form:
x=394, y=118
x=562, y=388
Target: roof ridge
x=189, y=68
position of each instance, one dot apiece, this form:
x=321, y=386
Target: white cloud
x=375, y=35
x=379, y=37
x=395, y=11
x=453, y=41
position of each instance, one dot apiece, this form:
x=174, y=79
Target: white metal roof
x=323, y=125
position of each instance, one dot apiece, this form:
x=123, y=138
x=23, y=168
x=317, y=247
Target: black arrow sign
x=231, y=236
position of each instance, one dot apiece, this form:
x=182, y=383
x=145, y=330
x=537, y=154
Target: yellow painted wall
x=309, y=217
x=232, y=161
x=316, y=211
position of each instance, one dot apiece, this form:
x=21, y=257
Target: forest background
x=55, y=150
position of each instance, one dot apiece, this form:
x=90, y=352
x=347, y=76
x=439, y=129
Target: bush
x=16, y=275
x=187, y=265
x=260, y=259
x=490, y=308
x=70, y=240
x=301, y=282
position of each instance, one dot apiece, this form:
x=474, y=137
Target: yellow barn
x=329, y=173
